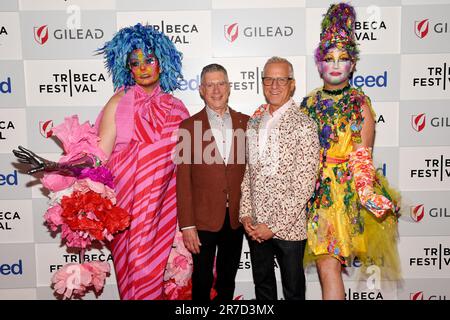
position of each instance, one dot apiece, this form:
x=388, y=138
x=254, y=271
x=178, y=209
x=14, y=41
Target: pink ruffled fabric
x=53, y=217
x=55, y=221
x=99, y=271
x=56, y=182
x=71, y=238
x=179, y=266
x=170, y=291
x=85, y=185
x=73, y=280
x=75, y=239
x=78, y=139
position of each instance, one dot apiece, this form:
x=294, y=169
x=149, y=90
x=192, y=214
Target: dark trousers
x=229, y=246
x=289, y=255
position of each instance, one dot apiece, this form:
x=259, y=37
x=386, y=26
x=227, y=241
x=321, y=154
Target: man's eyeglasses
x=267, y=81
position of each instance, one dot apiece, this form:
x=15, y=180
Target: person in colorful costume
x=137, y=132
x=353, y=213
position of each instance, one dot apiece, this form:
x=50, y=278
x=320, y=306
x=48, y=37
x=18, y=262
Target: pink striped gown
x=145, y=177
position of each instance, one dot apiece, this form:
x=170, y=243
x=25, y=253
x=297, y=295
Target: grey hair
x=279, y=60
x=213, y=67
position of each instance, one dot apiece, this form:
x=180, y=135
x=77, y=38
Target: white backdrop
x=48, y=71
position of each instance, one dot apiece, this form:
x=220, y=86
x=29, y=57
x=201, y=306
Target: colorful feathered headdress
x=149, y=41
x=338, y=31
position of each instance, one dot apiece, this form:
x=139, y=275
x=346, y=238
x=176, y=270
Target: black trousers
x=229, y=246
x=289, y=255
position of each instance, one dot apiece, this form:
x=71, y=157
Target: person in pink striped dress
x=137, y=130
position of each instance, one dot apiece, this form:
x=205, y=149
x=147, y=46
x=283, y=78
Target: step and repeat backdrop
x=48, y=70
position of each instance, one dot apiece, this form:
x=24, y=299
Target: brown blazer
x=203, y=183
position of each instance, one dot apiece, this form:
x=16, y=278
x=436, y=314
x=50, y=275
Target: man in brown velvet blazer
x=210, y=168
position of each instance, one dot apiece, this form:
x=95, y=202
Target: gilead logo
x=45, y=128
x=231, y=32
x=416, y=295
x=419, y=295
x=418, y=122
x=421, y=28
x=11, y=269
x=417, y=212
x=41, y=34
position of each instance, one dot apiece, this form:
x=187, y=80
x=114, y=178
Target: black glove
x=72, y=168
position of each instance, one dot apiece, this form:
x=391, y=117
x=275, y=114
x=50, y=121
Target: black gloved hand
x=72, y=167
x=38, y=163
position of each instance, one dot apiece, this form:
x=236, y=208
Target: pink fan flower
x=179, y=265
x=83, y=148
x=181, y=262
x=74, y=279
x=98, y=174
x=85, y=185
x=83, y=208
x=99, y=271
x=56, y=182
x=71, y=279
x=55, y=197
x=78, y=139
x=179, y=243
x=170, y=290
x=182, y=269
x=53, y=217
x=75, y=239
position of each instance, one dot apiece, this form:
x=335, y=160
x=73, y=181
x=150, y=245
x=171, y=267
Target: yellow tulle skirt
x=347, y=231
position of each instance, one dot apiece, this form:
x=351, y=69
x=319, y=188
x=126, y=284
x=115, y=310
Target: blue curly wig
x=149, y=40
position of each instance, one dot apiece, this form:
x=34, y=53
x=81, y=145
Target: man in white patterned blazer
x=283, y=159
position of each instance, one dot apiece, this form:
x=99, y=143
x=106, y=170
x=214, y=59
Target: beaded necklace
x=336, y=92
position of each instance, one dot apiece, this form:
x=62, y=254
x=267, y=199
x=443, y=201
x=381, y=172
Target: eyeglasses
x=267, y=81
x=211, y=85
